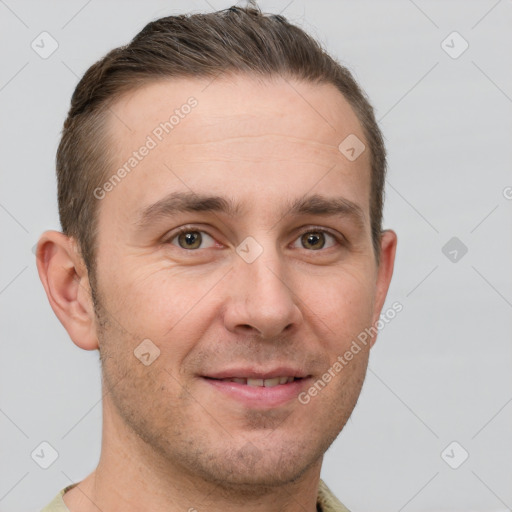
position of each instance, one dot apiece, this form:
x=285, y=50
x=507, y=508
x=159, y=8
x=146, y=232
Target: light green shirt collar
x=326, y=501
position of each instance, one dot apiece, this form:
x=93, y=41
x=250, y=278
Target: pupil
x=313, y=240
x=190, y=240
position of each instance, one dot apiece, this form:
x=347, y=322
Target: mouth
x=259, y=382
x=262, y=390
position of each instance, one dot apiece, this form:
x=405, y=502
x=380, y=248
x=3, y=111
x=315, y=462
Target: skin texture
x=172, y=440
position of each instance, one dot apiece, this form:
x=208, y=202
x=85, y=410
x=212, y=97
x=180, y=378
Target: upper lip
x=252, y=373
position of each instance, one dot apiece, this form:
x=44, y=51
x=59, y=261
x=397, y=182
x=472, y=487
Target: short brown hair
x=235, y=40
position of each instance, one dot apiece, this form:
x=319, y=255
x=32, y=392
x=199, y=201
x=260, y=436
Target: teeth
x=268, y=383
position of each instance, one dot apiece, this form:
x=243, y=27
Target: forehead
x=223, y=134
x=239, y=105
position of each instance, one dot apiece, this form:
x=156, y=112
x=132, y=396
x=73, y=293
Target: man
x=220, y=184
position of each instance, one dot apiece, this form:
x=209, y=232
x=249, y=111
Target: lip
x=257, y=397
x=252, y=373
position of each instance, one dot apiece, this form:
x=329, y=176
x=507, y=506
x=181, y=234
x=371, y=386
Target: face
x=239, y=245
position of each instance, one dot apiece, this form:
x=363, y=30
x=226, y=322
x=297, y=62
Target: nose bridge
x=261, y=298
x=268, y=280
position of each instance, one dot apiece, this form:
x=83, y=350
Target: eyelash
x=339, y=238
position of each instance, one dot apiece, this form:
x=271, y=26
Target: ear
x=388, y=243
x=66, y=282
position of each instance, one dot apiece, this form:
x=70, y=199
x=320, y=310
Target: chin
x=251, y=470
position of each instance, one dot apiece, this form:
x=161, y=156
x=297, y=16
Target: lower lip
x=260, y=396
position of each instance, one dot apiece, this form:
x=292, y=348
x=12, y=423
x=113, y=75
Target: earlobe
x=65, y=280
x=388, y=245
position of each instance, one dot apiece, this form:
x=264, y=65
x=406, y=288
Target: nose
x=261, y=300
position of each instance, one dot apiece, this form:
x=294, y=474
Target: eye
x=193, y=240
x=315, y=240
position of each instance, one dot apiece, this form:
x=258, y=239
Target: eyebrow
x=328, y=206
x=180, y=202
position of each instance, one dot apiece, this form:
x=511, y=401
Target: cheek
x=162, y=303
x=341, y=302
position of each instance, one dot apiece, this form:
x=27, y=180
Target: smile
x=258, y=391
x=268, y=383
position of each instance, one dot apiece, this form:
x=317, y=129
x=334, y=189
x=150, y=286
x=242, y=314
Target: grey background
x=440, y=371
